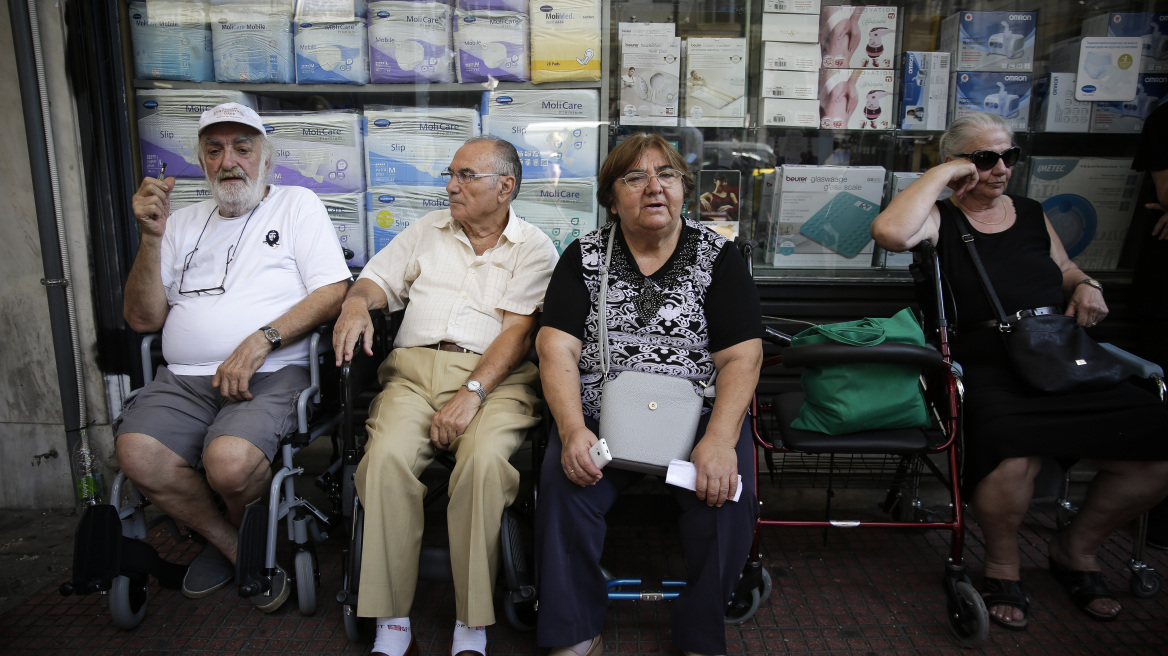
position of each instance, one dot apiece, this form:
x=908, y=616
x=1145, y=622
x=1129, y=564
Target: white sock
x=393, y=636
x=468, y=638
x=582, y=647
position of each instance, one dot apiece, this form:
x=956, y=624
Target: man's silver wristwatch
x=476, y=387
x=272, y=335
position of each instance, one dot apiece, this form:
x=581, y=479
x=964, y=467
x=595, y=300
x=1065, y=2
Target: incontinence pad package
x=858, y=37
x=1150, y=27
x=650, y=67
x=1128, y=117
x=990, y=40
x=410, y=42
x=715, y=82
x=413, y=145
x=327, y=11
x=332, y=53
x=823, y=216
x=1004, y=94
x=389, y=210
x=555, y=131
x=317, y=150
x=565, y=40
x=493, y=5
x=563, y=209
x=491, y=43
x=168, y=127
x=347, y=212
x=870, y=94
x=253, y=41
x=172, y=40
x=1108, y=67
x=925, y=101
x=188, y=191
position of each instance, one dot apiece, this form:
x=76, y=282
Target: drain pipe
x=54, y=246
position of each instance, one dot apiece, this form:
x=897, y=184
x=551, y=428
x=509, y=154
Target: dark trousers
x=569, y=538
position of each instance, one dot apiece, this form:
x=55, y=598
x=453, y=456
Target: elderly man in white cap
x=234, y=283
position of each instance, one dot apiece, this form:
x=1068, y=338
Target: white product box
x=410, y=42
x=556, y=131
x=565, y=40
x=491, y=44
x=563, y=209
x=858, y=37
x=389, y=210
x=789, y=84
x=1089, y=202
x=793, y=28
x=1107, y=68
x=790, y=112
x=1056, y=109
x=188, y=191
x=791, y=6
x=990, y=40
x=1128, y=117
x=412, y=145
x=1004, y=94
x=1150, y=27
x=625, y=30
x=318, y=150
x=172, y=40
x=649, y=80
x=869, y=93
x=925, y=100
x=347, y=212
x=331, y=53
x=780, y=56
x=811, y=230
x=899, y=182
x=253, y=42
x=168, y=127
x=715, y=82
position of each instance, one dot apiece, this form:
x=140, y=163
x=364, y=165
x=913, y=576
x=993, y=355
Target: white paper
x=1108, y=67
x=649, y=83
x=715, y=82
x=683, y=474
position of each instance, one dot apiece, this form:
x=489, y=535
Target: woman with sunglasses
x=1010, y=429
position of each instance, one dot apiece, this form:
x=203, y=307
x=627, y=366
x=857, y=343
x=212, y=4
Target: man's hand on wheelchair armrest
x=353, y=325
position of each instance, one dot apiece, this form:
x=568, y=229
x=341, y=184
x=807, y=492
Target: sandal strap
x=1004, y=592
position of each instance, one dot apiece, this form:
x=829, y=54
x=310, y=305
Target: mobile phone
x=600, y=454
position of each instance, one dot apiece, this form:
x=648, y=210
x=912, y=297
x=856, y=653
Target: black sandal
x=1084, y=588
x=1004, y=592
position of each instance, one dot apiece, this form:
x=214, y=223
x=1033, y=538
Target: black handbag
x=1051, y=353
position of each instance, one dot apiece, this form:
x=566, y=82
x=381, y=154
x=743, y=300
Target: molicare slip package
x=564, y=209
x=1089, y=201
x=556, y=131
x=491, y=43
x=990, y=40
x=791, y=6
x=188, y=191
x=347, y=212
x=389, y=210
x=823, y=216
x=1004, y=94
x=781, y=56
x=172, y=40
x=1150, y=27
x=870, y=92
x=715, y=82
x=650, y=69
x=1056, y=109
x=925, y=100
x=413, y=145
x=858, y=37
x=793, y=28
x=317, y=150
x=410, y=42
x=1128, y=117
x=331, y=53
x=789, y=84
x=253, y=42
x=565, y=40
x=168, y=127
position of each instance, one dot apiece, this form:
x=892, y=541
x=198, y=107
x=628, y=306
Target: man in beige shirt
x=471, y=279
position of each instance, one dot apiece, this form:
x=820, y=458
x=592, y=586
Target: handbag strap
x=949, y=207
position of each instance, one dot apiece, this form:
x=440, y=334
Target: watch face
x=473, y=385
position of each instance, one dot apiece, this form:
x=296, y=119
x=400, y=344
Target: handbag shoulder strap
x=948, y=207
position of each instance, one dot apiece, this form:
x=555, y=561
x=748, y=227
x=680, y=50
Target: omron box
x=868, y=94
x=1056, y=107
x=824, y=213
x=1128, y=117
x=1151, y=27
x=790, y=112
x=798, y=28
x=789, y=84
x=858, y=37
x=990, y=40
x=791, y=6
x=781, y=56
x=1004, y=94
x=1089, y=202
x=925, y=99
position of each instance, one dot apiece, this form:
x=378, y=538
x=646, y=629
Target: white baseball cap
x=231, y=113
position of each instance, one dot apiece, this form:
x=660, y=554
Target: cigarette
x=162, y=173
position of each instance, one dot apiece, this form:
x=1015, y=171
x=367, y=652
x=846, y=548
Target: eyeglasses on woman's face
x=985, y=160
x=638, y=180
x=465, y=177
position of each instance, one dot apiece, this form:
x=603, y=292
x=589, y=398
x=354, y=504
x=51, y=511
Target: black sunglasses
x=985, y=160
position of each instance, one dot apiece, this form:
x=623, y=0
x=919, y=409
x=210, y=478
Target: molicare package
x=781, y=56
x=1056, y=109
x=347, y=212
x=188, y=191
x=858, y=37
x=389, y=210
x=253, y=42
x=990, y=40
x=1150, y=27
x=565, y=40
x=1128, y=117
x=563, y=209
x=331, y=53
x=793, y=28
x=556, y=131
x=791, y=6
x=715, y=82
x=869, y=93
x=413, y=145
x=790, y=112
x=1089, y=202
x=172, y=40
x=491, y=43
x=1107, y=70
x=1004, y=94
x=650, y=67
x=789, y=84
x=493, y=5
x=317, y=150
x=823, y=216
x=925, y=100
x=326, y=11
x=168, y=127
x=410, y=42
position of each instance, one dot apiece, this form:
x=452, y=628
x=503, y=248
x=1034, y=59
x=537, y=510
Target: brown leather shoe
x=594, y=649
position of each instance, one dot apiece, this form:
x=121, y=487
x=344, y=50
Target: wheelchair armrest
x=147, y=346
x=906, y=354
x=1143, y=368
x=775, y=337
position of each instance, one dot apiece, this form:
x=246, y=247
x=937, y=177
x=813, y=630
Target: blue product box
x=172, y=40
x=1128, y=117
x=925, y=99
x=331, y=53
x=990, y=40
x=1004, y=94
x=1151, y=27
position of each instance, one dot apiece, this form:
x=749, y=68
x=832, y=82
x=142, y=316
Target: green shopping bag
x=845, y=398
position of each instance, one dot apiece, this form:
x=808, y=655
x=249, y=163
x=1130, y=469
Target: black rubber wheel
x=969, y=619
x=127, y=602
x=765, y=594
x=1146, y=584
x=304, y=566
x=357, y=629
x=741, y=610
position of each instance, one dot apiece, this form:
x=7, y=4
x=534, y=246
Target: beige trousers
x=416, y=383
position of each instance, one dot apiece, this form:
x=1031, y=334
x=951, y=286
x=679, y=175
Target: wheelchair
x=110, y=555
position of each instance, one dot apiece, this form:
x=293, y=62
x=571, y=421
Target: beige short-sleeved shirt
x=453, y=294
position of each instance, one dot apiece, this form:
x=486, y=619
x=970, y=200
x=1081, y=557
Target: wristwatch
x=476, y=387
x=272, y=335
x=1090, y=282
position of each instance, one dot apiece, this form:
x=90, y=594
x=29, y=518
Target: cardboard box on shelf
x=793, y=28
x=781, y=56
x=1004, y=94
x=823, y=214
x=990, y=40
x=789, y=84
x=791, y=6
x=858, y=37
x=321, y=151
x=1128, y=117
x=715, y=82
x=925, y=99
x=790, y=112
x=650, y=71
x=1056, y=109
x=1108, y=67
x=870, y=93
x=556, y=131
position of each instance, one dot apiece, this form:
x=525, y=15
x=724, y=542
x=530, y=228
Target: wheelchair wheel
x=741, y=610
x=305, y=572
x=519, y=599
x=357, y=629
x=1146, y=584
x=765, y=594
x=968, y=617
x=127, y=602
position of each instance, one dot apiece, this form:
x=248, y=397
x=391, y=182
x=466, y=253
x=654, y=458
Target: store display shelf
x=366, y=89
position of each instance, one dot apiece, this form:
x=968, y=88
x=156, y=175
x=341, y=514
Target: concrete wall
x=31, y=419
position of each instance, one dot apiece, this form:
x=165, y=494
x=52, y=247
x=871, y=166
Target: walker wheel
x=969, y=619
x=1146, y=584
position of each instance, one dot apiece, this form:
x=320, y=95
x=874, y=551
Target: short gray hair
x=506, y=158
x=969, y=127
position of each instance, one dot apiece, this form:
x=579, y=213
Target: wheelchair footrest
x=101, y=553
x=250, y=573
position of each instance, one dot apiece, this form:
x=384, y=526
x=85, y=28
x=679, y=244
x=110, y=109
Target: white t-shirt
x=287, y=250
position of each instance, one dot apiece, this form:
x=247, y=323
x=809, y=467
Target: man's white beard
x=237, y=199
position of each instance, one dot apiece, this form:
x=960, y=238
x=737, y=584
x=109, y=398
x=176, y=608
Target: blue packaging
x=331, y=53
x=556, y=131
x=1151, y=27
x=1004, y=94
x=413, y=145
x=389, y=210
x=168, y=127
x=347, y=212
x=317, y=150
x=253, y=42
x=172, y=40
x=990, y=40
x=1128, y=117
x=925, y=100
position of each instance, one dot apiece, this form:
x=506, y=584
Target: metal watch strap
x=477, y=389
x=1090, y=282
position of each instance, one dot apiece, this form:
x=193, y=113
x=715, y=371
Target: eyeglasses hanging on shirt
x=231, y=250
